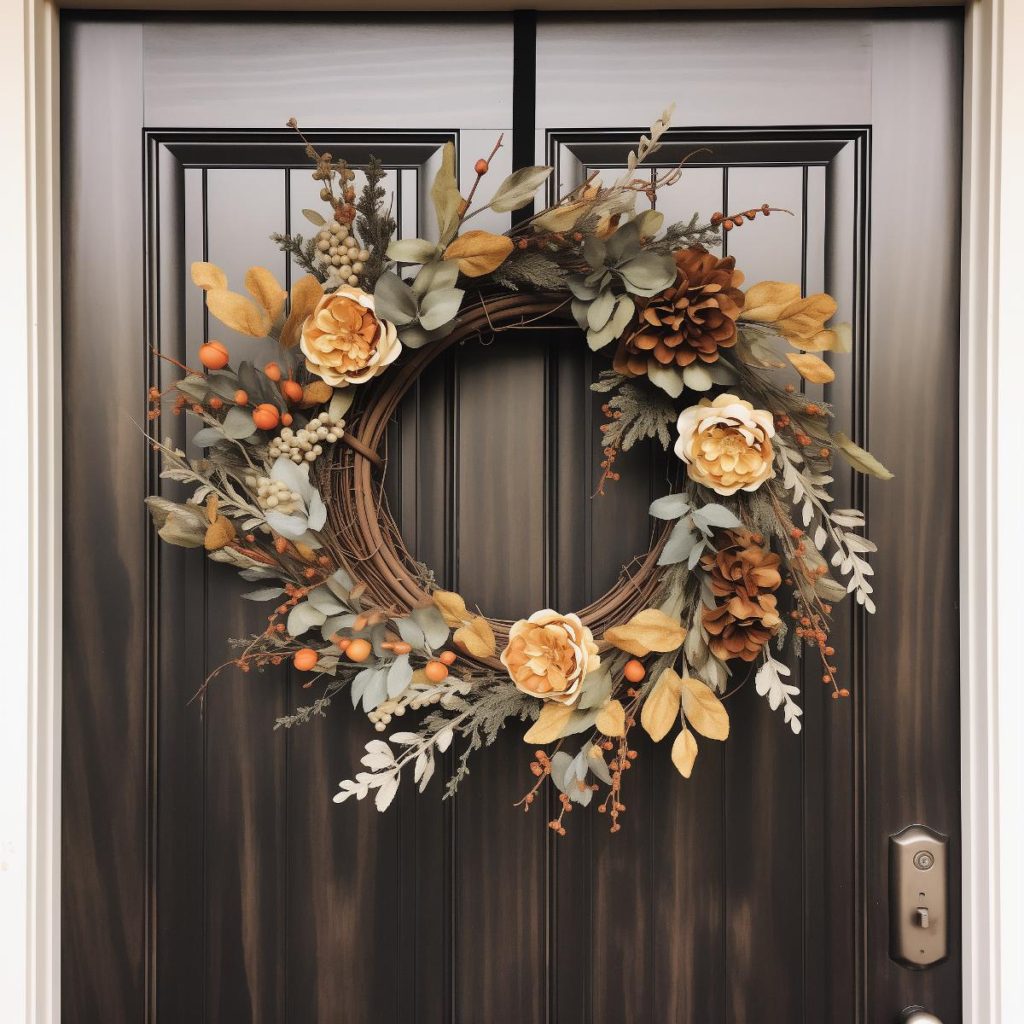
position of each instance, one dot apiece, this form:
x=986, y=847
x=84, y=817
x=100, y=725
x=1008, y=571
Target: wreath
x=289, y=491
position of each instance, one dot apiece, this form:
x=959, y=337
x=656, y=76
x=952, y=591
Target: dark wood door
x=206, y=874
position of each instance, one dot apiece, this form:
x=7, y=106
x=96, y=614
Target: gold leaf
x=476, y=637
x=804, y=318
x=265, y=289
x=684, y=752
x=661, y=708
x=219, y=534
x=611, y=719
x=306, y=553
x=552, y=719
x=317, y=393
x=208, y=275
x=237, y=312
x=562, y=218
x=861, y=459
x=811, y=368
x=703, y=710
x=765, y=301
x=446, y=196
x=451, y=606
x=649, y=630
x=306, y=293
x=838, y=338
x=479, y=252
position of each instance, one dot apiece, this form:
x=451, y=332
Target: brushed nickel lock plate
x=918, y=896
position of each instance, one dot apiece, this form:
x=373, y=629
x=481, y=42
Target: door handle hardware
x=918, y=899
x=918, y=1015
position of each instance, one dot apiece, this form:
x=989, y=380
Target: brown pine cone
x=741, y=565
x=743, y=573
x=691, y=320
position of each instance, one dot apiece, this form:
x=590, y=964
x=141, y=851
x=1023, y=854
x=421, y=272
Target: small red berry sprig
x=735, y=220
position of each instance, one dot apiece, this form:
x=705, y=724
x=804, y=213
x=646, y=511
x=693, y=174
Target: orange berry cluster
x=734, y=220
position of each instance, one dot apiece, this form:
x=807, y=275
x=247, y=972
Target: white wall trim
x=991, y=490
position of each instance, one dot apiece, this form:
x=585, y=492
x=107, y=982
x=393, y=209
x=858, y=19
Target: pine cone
x=742, y=566
x=740, y=628
x=744, y=573
x=691, y=320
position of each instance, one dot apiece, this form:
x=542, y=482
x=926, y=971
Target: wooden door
x=206, y=874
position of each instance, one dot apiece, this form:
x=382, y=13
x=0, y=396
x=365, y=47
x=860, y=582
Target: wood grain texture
x=208, y=876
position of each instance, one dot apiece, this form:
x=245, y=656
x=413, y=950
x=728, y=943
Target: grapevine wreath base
x=289, y=488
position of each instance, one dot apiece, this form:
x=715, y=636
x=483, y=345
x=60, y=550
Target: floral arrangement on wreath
x=750, y=532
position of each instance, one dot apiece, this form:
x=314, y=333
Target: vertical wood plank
x=106, y=676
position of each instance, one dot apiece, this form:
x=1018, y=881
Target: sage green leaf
x=518, y=189
x=697, y=377
x=600, y=310
x=648, y=273
x=238, y=423
x=582, y=290
x=399, y=675
x=598, y=339
x=446, y=196
x=440, y=307
x=431, y=622
x=668, y=378
x=435, y=274
x=415, y=336
x=303, y=617
x=411, y=250
x=314, y=218
x=394, y=300
x=649, y=222
x=597, y=688
x=624, y=310
x=679, y=544
x=623, y=245
x=671, y=506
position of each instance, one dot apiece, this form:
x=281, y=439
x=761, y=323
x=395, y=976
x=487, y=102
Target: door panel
x=208, y=876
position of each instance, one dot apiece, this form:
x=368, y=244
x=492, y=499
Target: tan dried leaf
x=306, y=553
x=219, y=534
x=552, y=719
x=238, y=312
x=452, y=607
x=805, y=318
x=476, y=638
x=838, y=338
x=661, y=708
x=611, y=719
x=265, y=289
x=448, y=201
x=703, y=710
x=208, y=275
x=860, y=458
x=479, y=252
x=319, y=392
x=211, y=508
x=684, y=752
x=811, y=368
x=649, y=630
x=562, y=218
x=765, y=301
x=306, y=293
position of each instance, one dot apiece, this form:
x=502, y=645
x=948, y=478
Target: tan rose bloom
x=344, y=341
x=548, y=655
x=726, y=444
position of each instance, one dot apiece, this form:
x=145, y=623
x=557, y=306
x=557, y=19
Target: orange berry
x=401, y=647
x=216, y=403
x=241, y=397
x=435, y=671
x=480, y=166
x=273, y=371
x=266, y=416
x=286, y=419
x=634, y=670
x=359, y=649
x=447, y=657
x=306, y=659
x=292, y=390
x=213, y=355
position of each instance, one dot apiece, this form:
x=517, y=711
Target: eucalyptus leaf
x=597, y=688
x=399, y=675
x=440, y=307
x=411, y=250
x=679, y=544
x=394, y=300
x=432, y=623
x=207, y=437
x=302, y=618
x=671, y=506
x=435, y=274
x=264, y=594
x=519, y=188
x=718, y=516
x=238, y=423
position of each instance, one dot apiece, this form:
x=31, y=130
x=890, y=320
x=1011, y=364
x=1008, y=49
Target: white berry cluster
x=340, y=253
x=304, y=444
x=414, y=697
x=274, y=494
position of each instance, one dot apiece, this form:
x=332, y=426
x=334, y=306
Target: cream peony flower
x=548, y=655
x=726, y=444
x=345, y=342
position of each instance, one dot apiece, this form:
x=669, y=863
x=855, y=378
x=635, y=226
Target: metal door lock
x=918, y=896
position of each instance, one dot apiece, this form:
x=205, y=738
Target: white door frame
x=991, y=491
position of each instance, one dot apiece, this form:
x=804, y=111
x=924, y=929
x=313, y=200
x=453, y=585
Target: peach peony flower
x=549, y=654
x=726, y=444
x=344, y=341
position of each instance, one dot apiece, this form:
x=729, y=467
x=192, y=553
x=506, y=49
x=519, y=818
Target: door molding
x=991, y=495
